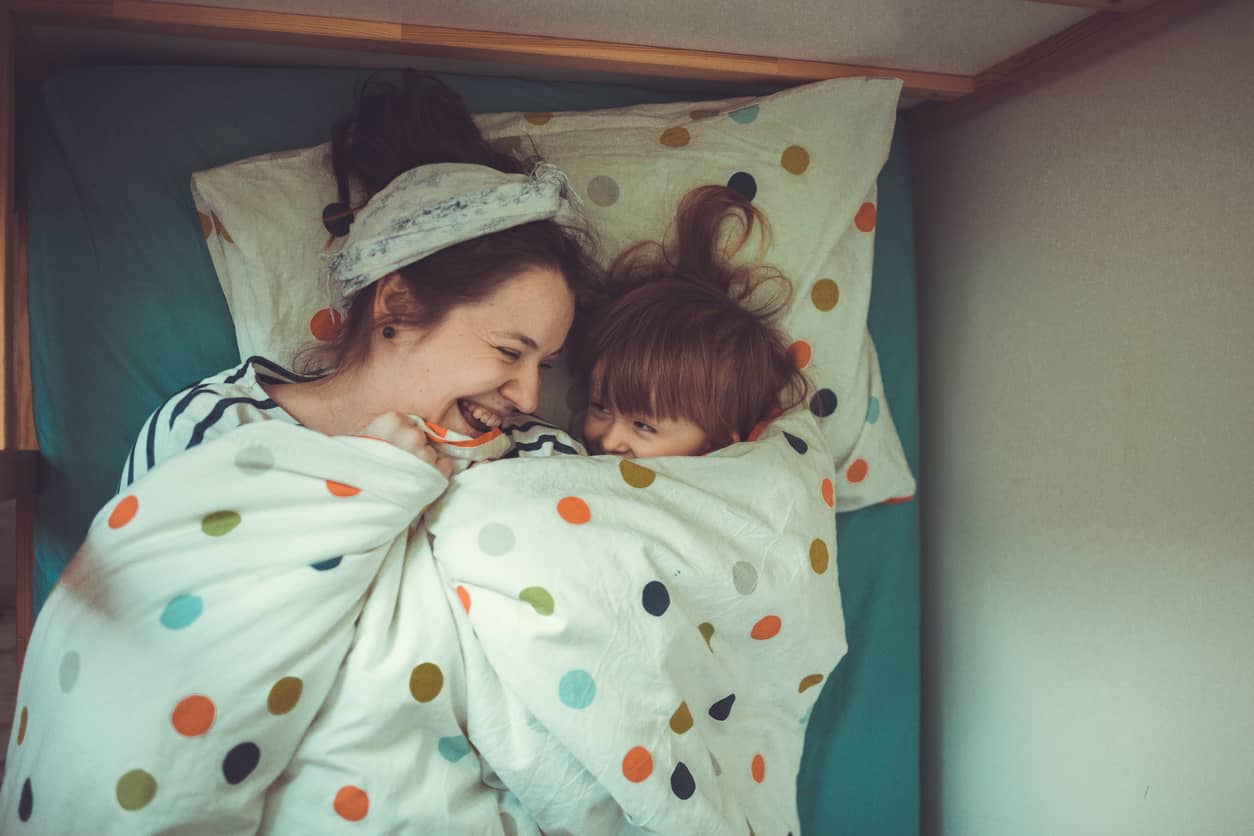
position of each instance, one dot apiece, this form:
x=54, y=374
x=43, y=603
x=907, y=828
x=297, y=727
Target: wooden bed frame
x=946, y=99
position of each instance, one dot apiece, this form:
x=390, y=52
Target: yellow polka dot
x=681, y=720
x=675, y=137
x=426, y=681
x=284, y=695
x=21, y=726
x=636, y=475
x=135, y=789
x=818, y=556
x=538, y=118
x=825, y=294
x=795, y=159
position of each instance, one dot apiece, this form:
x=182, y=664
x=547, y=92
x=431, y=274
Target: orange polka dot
x=340, y=489
x=899, y=500
x=206, y=224
x=574, y=510
x=865, y=219
x=464, y=597
x=538, y=118
x=326, y=324
x=856, y=471
x=217, y=222
x=193, y=715
x=767, y=628
x=800, y=353
x=352, y=803
x=675, y=137
x=637, y=765
x=759, y=768
x=124, y=512
x=829, y=493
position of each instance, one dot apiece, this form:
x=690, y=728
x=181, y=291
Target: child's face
x=640, y=436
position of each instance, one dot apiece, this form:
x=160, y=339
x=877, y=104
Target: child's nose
x=615, y=441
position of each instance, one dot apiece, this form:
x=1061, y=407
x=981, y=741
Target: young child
x=682, y=361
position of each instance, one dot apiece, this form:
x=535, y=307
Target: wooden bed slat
x=443, y=42
x=1099, y=5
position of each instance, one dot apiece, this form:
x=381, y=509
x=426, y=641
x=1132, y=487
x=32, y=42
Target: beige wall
x=1087, y=260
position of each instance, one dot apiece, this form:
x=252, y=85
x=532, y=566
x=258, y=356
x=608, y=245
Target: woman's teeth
x=485, y=417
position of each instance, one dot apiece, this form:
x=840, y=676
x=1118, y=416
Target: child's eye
x=509, y=352
x=643, y=427
x=599, y=407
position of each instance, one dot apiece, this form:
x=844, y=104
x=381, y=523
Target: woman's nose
x=524, y=390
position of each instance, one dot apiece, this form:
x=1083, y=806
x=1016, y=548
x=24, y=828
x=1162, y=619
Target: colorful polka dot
x=453, y=749
x=818, y=556
x=337, y=219
x=193, y=715
x=240, y=762
x=496, y=539
x=721, y=710
x=823, y=403
x=326, y=325
x=873, y=410
x=182, y=611
x=795, y=159
x=706, y=629
x=577, y=689
x=538, y=118
x=124, y=512
x=206, y=224
x=539, y=598
x=865, y=219
x=808, y=682
x=825, y=294
x=574, y=510
x=766, y=628
x=744, y=578
x=26, y=804
x=829, y=492
x=464, y=597
x=70, y=664
x=856, y=471
x=681, y=720
x=699, y=115
x=328, y=564
x=254, y=460
x=655, y=598
x=637, y=765
x=800, y=353
x=758, y=768
x=797, y=444
x=675, y=137
x=426, y=681
x=743, y=182
x=745, y=115
x=21, y=726
x=340, y=489
x=602, y=190
x=682, y=783
x=218, y=225
x=636, y=475
x=351, y=803
x=136, y=789
x=284, y=695
x=219, y=523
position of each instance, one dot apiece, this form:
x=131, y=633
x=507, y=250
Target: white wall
x=1086, y=255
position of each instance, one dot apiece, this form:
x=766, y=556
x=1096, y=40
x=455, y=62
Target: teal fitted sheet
x=125, y=309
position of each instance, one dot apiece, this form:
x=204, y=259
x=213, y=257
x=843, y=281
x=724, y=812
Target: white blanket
x=285, y=632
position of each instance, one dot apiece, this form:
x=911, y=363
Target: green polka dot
x=426, y=681
x=284, y=695
x=636, y=475
x=745, y=578
x=539, y=599
x=577, y=689
x=136, y=789
x=453, y=749
x=603, y=190
x=219, y=523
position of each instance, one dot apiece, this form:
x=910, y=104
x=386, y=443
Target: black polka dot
x=26, y=803
x=823, y=403
x=721, y=710
x=240, y=762
x=797, y=444
x=329, y=563
x=743, y=182
x=681, y=782
x=656, y=599
x=337, y=218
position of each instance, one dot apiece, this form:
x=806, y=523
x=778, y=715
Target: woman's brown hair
x=423, y=121
x=688, y=333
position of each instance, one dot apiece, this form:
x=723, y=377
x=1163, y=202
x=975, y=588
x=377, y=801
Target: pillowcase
x=808, y=157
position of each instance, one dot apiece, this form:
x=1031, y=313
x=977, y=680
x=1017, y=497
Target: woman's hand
x=399, y=430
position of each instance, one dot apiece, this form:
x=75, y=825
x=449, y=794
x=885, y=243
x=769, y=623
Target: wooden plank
x=444, y=42
x=1099, y=5
x=1088, y=41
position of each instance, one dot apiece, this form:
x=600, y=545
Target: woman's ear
x=390, y=297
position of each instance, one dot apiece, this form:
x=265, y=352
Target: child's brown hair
x=683, y=337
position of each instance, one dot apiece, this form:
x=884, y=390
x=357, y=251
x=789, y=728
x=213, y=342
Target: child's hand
x=399, y=430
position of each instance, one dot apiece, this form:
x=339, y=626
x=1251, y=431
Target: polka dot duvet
x=283, y=632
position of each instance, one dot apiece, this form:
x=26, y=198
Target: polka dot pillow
x=808, y=157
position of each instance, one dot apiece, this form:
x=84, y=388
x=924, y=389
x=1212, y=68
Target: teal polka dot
x=577, y=689
x=873, y=410
x=182, y=611
x=745, y=115
x=453, y=749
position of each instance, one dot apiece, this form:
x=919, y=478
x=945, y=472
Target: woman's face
x=484, y=360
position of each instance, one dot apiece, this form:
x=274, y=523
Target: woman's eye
x=510, y=353
x=546, y=366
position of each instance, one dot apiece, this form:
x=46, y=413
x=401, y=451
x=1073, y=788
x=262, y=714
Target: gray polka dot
x=718, y=770
x=745, y=577
x=496, y=539
x=603, y=191
x=70, y=664
x=255, y=460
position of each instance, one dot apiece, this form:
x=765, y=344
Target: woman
x=453, y=320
